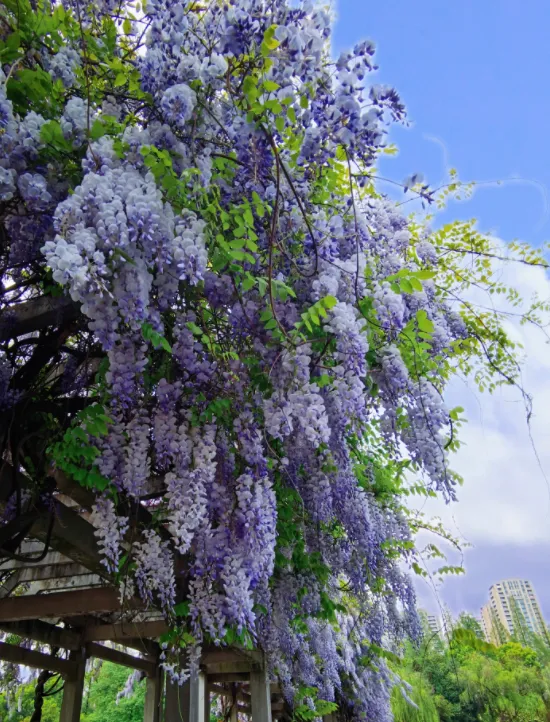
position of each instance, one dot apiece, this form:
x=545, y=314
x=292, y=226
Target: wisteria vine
x=251, y=335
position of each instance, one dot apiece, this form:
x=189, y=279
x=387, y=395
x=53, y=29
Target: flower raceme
x=202, y=198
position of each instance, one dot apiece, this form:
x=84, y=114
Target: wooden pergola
x=56, y=591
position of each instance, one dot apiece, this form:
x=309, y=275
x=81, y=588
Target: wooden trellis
x=56, y=591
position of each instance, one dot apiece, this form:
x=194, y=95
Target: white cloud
x=505, y=497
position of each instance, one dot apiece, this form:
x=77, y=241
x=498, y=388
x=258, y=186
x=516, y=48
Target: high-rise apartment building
x=433, y=623
x=512, y=605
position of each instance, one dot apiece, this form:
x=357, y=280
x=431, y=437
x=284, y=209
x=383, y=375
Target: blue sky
x=473, y=75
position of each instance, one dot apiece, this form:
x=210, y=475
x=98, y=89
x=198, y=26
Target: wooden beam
x=126, y=631
x=224, y=677
x=87, y=581
x=10, y=584
x=73, y=690
x=43, y=632
x=30, y=658
x=38, y=313
x=84, y=497
x=220, y=655
x=63, y=604
x=230, y=667
x=123, y=658
x=70, y=534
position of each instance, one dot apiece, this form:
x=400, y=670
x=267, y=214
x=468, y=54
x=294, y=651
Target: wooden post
x=206, y=700
x=153, y=696
x=176, y=706
x=74, y=689
x=197, y=696
x=187, y=703
x=260, y=693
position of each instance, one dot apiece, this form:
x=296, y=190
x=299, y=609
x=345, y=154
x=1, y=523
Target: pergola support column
x=176, y=706
x=73, y=690
x=187, y=703
x=197, y=698
x=260, y=693
x=153, y=697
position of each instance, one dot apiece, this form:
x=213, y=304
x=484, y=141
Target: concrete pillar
x=197, y=698
x=153, y=697
x=260, y=693
x=188, y=702
x=206, y=701
x=176, y=705
x=73, y=690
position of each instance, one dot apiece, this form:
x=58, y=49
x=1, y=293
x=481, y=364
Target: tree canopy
x=208, y=308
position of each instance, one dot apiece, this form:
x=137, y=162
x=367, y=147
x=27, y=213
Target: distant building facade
x=512, y=604
x=433, y=623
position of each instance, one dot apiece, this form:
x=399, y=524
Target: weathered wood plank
x=43, y=632
x=125, y=631
x=62, y=604
x=123, y=658
x=37, y=660
x=225, y=677
x=70, y=535
x=59, y=567
x=38, y=313
x=230, y=667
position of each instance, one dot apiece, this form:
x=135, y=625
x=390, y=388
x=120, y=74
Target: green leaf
x=270, y=86
x=280, y=124
x=120, y=79
x=424, y=323
x=425, y=275
x=97, y=130
x=329, y=302
x=248, y=283
x=415, y=283
x=405, y=285
x=248, y=218
x=182, y=609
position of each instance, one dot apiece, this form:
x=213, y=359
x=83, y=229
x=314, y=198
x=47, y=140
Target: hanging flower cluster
x=267, y=328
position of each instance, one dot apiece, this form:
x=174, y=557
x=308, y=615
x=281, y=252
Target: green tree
x=101, y=703
x=468, y=621
x=424, y=708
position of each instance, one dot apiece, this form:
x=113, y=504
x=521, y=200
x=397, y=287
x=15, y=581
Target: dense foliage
x=457, y=677
x=242, y=333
